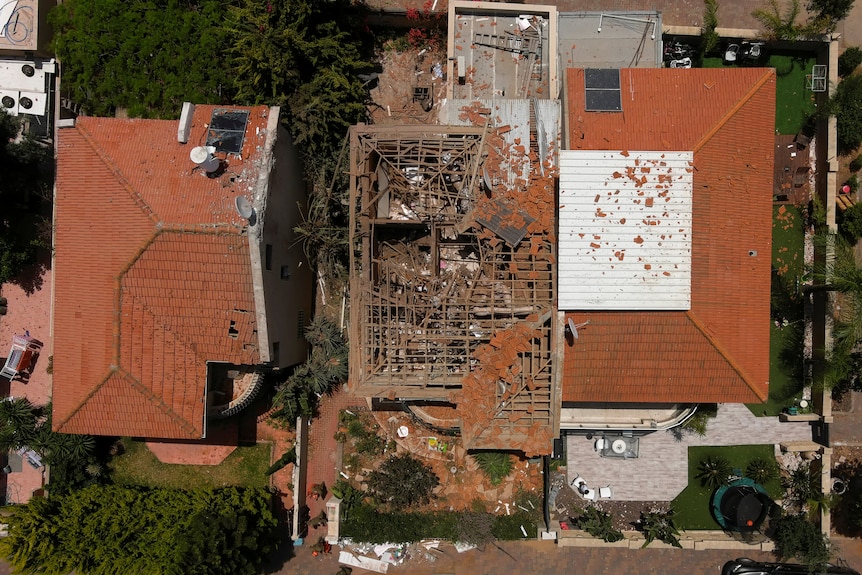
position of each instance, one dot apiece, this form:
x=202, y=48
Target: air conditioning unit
x=23, y=75
x=9, y=102
x=34, y=103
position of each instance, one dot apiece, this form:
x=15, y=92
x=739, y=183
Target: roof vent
x=185, y=122
x=204, y=158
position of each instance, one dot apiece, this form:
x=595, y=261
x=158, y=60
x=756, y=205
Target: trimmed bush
x=368, y=525
x=856, y=164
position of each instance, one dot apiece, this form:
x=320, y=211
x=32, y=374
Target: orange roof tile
x=718, y=351
x=152, y=269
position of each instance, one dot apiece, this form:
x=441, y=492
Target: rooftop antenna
x=244, y=207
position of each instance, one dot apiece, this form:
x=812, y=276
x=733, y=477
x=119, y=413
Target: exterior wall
x=287, y=301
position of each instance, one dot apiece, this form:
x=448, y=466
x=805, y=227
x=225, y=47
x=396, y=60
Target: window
x=300, y=324
x=285, y=272
x=276, y=348
x=268, y=256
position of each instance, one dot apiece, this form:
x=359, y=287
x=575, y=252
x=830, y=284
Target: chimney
x=185, y=122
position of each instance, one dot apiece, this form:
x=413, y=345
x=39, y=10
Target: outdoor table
x=621, y=447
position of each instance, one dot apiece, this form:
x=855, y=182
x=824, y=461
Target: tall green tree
x=147, y=56
x=846, y=105
x=786, y=25
x=304, y=55
x=830, y=12
x=113, y=529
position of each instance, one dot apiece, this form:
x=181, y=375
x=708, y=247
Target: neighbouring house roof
x=625, y=224
x=153, y=274
x=717, y=349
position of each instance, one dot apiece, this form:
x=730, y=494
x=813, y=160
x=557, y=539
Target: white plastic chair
x=600, y=444
x=590, y=494
x=605, y=492
x=577, y=482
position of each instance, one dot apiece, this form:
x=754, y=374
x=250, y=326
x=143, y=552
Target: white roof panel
x=625, y=230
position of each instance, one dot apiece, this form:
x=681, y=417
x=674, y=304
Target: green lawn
x=794, y=103
x=692, y=506
x=246, y=467
x=785, y=378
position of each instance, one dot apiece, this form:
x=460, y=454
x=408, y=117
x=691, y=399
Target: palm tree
x=842, y=274
x=778, y=26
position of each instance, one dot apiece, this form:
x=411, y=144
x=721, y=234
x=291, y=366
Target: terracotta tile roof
x=718, y=351
x=152, y=276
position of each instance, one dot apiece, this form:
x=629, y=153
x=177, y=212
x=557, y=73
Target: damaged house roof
x=665, y=237
x=452, y=283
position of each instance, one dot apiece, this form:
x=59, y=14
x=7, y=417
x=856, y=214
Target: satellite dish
x=244, y=207
x=573, y=329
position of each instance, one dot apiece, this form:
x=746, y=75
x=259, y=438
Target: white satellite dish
x=573, y=329
x=244, y=207
x=486, y=179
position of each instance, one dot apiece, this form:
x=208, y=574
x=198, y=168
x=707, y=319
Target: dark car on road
x=745, y=566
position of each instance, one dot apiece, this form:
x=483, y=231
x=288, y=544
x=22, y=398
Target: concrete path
x=660, y=472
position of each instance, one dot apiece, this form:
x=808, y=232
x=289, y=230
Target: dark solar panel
x=604, y=101
x=602, y=90
x=227, y=130
x=600, y=79
x=501, y=223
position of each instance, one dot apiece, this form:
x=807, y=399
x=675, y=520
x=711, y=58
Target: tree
x=713, y=472
x=402, y=481
x=762, y=470
x=307, y=56
x=778, y=26
x=830, y=12
x=113, y=529
x=796, y=537
x=599, y=524
x=325, y=369
x=710, y=23
x=496, y=465
x=849, y=60
x=147, y=57
x=659, y=525
x=27, y=175
x=846, y=105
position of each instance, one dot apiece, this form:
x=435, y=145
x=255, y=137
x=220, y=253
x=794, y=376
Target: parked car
x=744, y=566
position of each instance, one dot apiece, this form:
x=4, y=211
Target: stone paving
x=660, y=472
x=29, y=310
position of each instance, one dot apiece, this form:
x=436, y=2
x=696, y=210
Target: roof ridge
x=83, y=402
x=768, y=74
x=115, y=171
x=725, y=354
x=140, y=388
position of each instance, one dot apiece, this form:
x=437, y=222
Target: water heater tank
x=203, y=157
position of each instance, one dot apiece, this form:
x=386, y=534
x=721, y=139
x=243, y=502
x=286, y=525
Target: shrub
x=599, y=524
x=762, y=470
x=846, y=105
x=366, y=524
x=658, y=525
x=796, y=537
x=713, y=472
x=802, y=485
x=856, y=164
x=403, y=481
x=496, y=465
